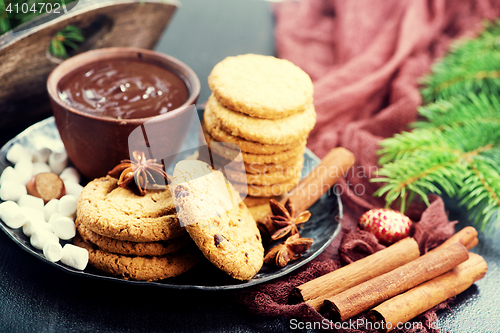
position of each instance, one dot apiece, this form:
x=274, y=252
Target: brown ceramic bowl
x=95, y=144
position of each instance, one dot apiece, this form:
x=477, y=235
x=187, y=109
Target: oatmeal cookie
x=261, y=86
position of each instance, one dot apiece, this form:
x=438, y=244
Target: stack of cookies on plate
x=153, y=235
x=263, y=106
x=133, y=236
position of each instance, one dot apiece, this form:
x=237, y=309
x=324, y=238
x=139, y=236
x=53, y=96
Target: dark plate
x=323, y=227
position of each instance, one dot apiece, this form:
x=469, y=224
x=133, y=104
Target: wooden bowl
x=25, y=62
x=95, y=144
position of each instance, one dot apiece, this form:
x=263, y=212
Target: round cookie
x=141, y=268
x=119, y=213
x=256, y=168
x=232, y=154
x=257, y=201
x=269, y=178
x=268, y=131
x=213, y=128
x=261, y=86
x=132, y=248
x=221, y=225
x=267, y=190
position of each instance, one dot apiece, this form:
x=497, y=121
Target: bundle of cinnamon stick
x=396, y=283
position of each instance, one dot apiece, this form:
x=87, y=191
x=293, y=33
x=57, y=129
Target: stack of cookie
x=141, y=238
x=263, y=106
x=136, y=237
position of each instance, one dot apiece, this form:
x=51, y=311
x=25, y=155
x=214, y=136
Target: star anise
x=141, y=169
x=266, y=229
x=284, y=220
x=291, y=249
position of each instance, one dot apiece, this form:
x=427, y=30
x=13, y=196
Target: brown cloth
x=272, y=299
x=365, y=58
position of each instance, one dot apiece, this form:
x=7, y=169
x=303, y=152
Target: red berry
x=387, y=225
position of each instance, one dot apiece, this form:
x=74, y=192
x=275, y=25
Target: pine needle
x=67, y=37
x=470, y=67
x=455, y=149
x=18, y=15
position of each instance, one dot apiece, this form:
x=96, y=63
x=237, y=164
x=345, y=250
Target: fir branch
x=455, y=149
x=15, y=18
x=459, y=138
x=464, y=162
x=465, y=50
x=4, y=19
x=481, y=74
x=404, y=144
x=480, y=194
x=471, y=66
x=480, y=108
x=450, y=124
x=422, y=171
x=67, y=37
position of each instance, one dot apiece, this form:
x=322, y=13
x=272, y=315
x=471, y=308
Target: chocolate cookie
x=261, y=86
x=141, y=268
x=120, y=213
x=268, y=131
x=221, y=225
x=132, y=248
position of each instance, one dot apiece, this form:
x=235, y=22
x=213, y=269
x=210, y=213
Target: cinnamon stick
x=314, y=292
x=467, y=237
x=333, y=167
x=372, y=292
x=404, y=307
x=472, y=243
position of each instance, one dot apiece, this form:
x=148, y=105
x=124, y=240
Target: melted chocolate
x=123, y=89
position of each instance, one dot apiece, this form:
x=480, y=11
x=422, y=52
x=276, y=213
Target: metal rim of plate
x=46, y=134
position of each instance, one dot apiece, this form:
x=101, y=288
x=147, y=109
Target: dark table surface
x=36, y=297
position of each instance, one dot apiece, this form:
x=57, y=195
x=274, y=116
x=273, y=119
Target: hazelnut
x=46, y=185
